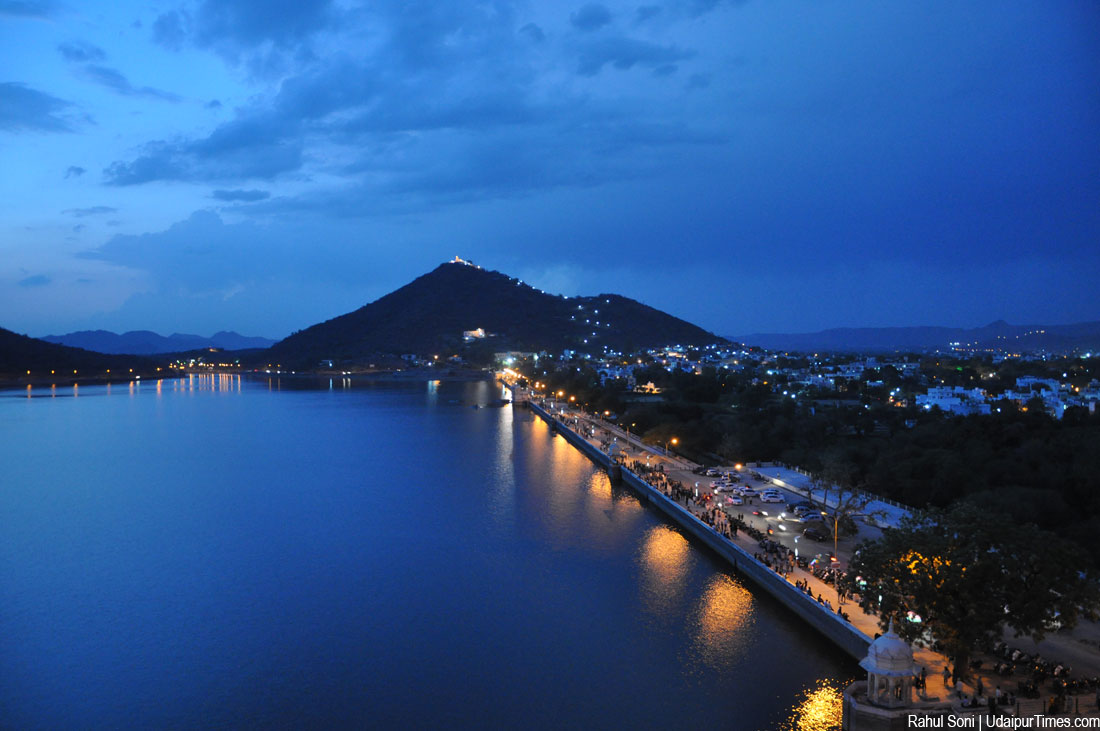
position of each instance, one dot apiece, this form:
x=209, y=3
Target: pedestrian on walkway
x=946, y=676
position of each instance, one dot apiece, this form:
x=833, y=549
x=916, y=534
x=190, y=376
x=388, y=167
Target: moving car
x=815, y=533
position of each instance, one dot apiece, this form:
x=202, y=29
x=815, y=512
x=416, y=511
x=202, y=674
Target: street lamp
x=674, y=441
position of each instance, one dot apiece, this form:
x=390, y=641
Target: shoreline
x=21, y=383
x=841, y=633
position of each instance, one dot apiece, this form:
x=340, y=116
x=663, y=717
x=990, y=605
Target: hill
x=20, y=353
x=998, y=335
x=430, y=314
x=145, y=342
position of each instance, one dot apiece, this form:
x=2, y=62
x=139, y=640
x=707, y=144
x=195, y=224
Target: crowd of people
x=777, y=557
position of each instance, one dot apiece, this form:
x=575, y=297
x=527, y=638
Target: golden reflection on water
x=724, y=621
x=665, y=556
x=818, y=709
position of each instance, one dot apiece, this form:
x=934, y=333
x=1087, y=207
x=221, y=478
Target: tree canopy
x=967, y=573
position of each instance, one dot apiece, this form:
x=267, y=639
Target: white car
x=734, y=501
x=722, y=488
x=770, y=499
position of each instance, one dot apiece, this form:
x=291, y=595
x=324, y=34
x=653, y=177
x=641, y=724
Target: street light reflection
x=724, y=621
x=665, y=556
x=819, y=709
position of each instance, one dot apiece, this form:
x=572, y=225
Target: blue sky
x=789, y=165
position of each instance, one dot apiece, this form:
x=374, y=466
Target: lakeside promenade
x=673, y=477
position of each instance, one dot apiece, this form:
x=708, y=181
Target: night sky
x=261, y=165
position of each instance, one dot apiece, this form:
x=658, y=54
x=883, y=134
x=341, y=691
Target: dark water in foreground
x=209, y=552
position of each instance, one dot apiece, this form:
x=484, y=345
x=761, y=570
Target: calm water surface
x=212, y=552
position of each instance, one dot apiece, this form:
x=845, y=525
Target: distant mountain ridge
x=146, y=342
x=431, y=313
x=20, y=354
x=999, y=334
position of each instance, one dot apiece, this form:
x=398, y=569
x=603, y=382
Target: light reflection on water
x=817, y=709
x=724, y=622
x=665, y=557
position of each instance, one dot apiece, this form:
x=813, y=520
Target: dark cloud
x=118, y=83
x=534, y=32
x=268, y=36
x=170, y=29
x=74, y=171
x=27, y=8
x=245, y=196
x=38, y=280
x=590, y=17
x=625, y=53
x=251, y=147
x=87, y=57
x=213, y=104
x=403, y=121
x=85, y=212
x=25, y=109
x=665, y=70
x=81, y=52
x=249, y=23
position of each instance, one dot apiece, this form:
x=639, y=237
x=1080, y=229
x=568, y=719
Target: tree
x=967, y=573
x=840, y=500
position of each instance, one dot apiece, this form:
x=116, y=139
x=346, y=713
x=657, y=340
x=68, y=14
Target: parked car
x=712, y=472
x=815, y=533
x=813, y=518
x=799, y=504
x=748, y=492
x=722, y=488
x=734, y=501
x=770, y=499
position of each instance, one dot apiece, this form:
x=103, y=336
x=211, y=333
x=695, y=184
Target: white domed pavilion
x=890, y=671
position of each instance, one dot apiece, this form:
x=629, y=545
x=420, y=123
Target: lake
x=214, y=551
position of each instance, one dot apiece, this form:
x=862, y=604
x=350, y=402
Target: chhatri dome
x=890, y=670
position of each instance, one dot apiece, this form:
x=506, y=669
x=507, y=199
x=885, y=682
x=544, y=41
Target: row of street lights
x=672, y=441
